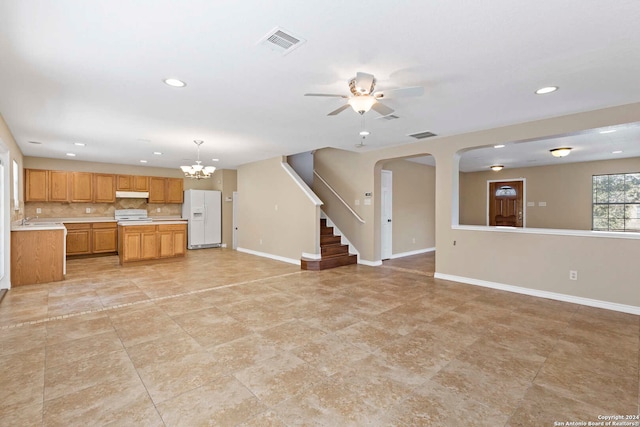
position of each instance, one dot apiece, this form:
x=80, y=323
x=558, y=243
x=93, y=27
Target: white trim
x=631, y=309
x=524, y=197
x=551, y=231
x=303, y=185
x=224, y=245
x=370, y=263
x=416, y=252
x=266, y=255
x=311, y=256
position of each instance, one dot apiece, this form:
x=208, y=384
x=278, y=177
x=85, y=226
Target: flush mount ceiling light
x=157, y=153
x=143, y=161
x=616, y=152
x=496, y=168
x=365, y=133
x=560, y=152
x=79, y=144
x=499, y=146
x=547, y=89
x=71, y=154
x=607, y=131
x=198, y=171
x=174, y=82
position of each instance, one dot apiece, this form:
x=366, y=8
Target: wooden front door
x=505, y=203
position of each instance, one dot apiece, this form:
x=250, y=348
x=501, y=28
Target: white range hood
x=132, y=194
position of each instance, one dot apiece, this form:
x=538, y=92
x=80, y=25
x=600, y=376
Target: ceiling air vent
x=281, y=40
x=389, y=117
x=422, y=135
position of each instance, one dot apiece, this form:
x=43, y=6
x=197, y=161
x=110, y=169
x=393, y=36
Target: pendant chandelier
x=198, y=171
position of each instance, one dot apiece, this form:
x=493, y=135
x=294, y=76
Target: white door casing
x=386, y=215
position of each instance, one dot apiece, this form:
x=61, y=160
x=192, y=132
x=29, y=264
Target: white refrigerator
x=203, y=209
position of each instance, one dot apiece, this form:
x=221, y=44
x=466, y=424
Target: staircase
x=333, y=253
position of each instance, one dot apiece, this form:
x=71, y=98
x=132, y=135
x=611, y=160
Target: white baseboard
x=370, y=263
x=224, y=245
x=416, y=252
x=631, y=309
x=311, y=256
x=266, y=255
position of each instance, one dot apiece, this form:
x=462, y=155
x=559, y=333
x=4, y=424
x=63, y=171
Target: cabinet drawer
x=139, y=229
x=77, y=225
x=105, y=225
x=171, y=227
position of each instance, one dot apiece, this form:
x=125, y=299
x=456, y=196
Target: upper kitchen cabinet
x=165, y=190
x=82, y=187
x=46, y=186
x=132, y=183
x=104, y=188
x=35, y=185
x=175, y=190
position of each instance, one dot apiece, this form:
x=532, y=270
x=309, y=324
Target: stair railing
x=354, y=213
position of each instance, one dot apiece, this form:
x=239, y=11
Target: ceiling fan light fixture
x=496, y=168
x=362, y=103
x=560, y=152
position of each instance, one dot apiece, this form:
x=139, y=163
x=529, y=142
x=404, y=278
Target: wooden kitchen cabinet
x=166, y=190
x=36, y=183
x=104, y=188
x=78, y=239
x=104, y=237
x=175, y=190
x=82, y=187
x=132, y=183
x=37, y=256
x=58, y=186
x=147, y=242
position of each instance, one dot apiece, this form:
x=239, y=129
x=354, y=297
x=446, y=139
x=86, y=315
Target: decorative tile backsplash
x=75, y=210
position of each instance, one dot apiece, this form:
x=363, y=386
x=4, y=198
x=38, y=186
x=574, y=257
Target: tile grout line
x=129, y=304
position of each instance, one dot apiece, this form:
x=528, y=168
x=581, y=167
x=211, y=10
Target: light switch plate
x=542, y=203
x=531, y=203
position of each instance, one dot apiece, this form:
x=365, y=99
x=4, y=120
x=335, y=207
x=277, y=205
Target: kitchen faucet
x=27, y=219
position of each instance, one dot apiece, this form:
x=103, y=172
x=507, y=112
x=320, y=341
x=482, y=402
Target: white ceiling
x=91, y=72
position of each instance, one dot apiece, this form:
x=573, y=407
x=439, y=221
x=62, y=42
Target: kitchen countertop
x=39, y=226
x=154, y=222
x=58, y=223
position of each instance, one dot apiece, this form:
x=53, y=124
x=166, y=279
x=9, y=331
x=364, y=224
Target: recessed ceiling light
x=157, y=153
x=35, y=142
x=71, y=155
x=608, y=131
x=560, y=152
x=215, y=160
x=174, y=82
x=143, y=161
x=547, y=89
x=616, y=152
x=79, y=144
x=496, y=168
x=365, y=133
x=499, y=146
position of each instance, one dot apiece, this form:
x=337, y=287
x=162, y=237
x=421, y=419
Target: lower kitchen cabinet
x=147, y=242
x=89, y=238
x=37, y=256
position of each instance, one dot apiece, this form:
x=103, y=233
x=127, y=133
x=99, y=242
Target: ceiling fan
x=365, y=98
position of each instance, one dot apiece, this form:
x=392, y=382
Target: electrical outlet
x=38, y=210
x=573, y=275
x=260, y=241
x=158, y=210
x=413, y=240
x=88, y=210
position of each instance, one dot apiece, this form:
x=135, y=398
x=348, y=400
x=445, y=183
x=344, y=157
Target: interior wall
x=565, y=189
x=274, y=215
x=413, y=205
x=302, y=163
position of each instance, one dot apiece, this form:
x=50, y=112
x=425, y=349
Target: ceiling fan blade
x=401, y=92
x=364, y=82
x=326, y=94
x=382, y=109
x=339, y=110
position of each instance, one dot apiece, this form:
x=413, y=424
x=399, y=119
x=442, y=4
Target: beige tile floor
x=225, y=338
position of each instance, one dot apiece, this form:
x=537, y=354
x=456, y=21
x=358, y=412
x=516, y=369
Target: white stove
x=138, y=215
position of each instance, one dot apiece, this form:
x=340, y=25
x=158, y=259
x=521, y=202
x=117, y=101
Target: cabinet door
x=179, y=243
x=149, y=245
x=78, y=239
x=82, y=187
x=140, y=183
x=132, y=245
x=58, y=186
x=166, y=244
x=124, y=182
x=104, y=188
x=157, y=190
x=175, y=187
x=104, y=239
x=35, y=185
